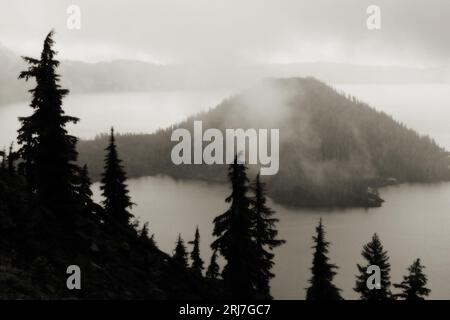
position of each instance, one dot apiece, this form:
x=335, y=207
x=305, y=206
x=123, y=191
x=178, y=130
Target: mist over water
x=133, y=112
x=424, y=108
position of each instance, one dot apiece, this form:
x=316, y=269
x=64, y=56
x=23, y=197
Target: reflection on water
x=413, y=222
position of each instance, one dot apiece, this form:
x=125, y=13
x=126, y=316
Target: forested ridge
x=334, y=149
x=49, y=221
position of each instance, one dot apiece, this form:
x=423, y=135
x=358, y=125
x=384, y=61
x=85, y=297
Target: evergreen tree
x=180, y=255
x=197, y=262
x=375, y=255
x=265, y=237
x=145, y=234
x=414, y=284
x=113, y=186
x=3, y=163
x=322, y=287
x=152, y=241
x=234, y=232
x=84, y=189
x=213, y=268
x=49, y=154
x=11, y=159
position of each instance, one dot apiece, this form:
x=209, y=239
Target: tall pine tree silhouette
x=180, y=255
x=11, y=159
x=213, y=269
x=84, y=189
x=47, y=150
x=197, y=262
x=265, y=238
x=114, y=189
x=414, y=284
x=234, y=232
x=322, y=287
x=375, y=255
x=144, y=234
x=3, y=163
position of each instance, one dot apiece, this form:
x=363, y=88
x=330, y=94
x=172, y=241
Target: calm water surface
x=413, y=222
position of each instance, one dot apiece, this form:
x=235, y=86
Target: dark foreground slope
x=334, y=149
x=37, y=246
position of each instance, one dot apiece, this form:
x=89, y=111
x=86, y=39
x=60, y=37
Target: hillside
x=334, y=149
x=116, y=263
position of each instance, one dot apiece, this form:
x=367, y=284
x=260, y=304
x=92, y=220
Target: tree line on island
x=48, y=220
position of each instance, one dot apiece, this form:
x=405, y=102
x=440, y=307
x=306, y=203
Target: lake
x=414, y=221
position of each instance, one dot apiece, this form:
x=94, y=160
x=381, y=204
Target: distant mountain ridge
x=334, y=149
x=127, y=75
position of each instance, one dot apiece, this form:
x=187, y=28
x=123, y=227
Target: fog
x=273, y=103
x=217, y=33
x=224, y=45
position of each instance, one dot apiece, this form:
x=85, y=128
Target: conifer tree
x=197, y=262
x=145, y=234
x=152, y=241
x=234, y=232
x=213, y=268
x=113, y=185
x=84, y=189
x=414, y=284
x=3, y=163
x=180, y=255
x=322, y=287
x=11, y=159
x=48, y=152
x=265, y=237
x=375, y=255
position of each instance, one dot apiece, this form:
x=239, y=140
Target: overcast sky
x=413, y=32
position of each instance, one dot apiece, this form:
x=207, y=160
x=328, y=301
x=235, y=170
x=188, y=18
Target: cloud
x=234, y=31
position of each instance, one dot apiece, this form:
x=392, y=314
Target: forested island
x=49, y=221
x=334, y=149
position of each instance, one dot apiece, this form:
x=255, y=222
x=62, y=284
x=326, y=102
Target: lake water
x=414, y=221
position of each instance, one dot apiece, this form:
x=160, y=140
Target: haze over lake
x=133, y=112
x=412, y=223
x=422, y=107
x=145, y=112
